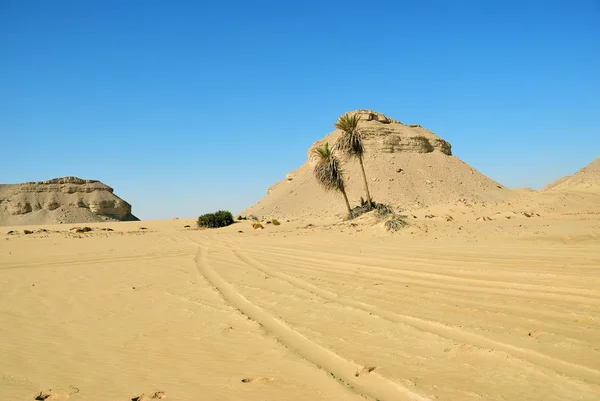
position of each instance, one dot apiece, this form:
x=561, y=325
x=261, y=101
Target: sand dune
x=506, y=309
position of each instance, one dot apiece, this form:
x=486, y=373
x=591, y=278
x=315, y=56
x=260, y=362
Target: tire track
x=455, y=295
x=499, y=263
x=534, y=357
x=418, y=278
x=372, y=385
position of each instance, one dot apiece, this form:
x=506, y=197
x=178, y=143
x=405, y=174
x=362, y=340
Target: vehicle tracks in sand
x=535, y=291
x=372, y=385
x=557, y=365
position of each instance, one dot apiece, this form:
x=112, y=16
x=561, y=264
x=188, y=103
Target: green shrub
x=257, y=226
x=275, y=222
x=26, y=232
x=222, y=218
x=83, y=230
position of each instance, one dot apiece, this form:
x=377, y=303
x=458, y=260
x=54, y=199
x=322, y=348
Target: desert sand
x=507, y=309
x=487, y=293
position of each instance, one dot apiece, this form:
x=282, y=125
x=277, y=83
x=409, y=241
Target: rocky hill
x=61, y=200
x=585, y=180
x=407, y=166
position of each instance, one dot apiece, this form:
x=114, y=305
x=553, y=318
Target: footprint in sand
x=159, y=395
x=256, y=379
x=365, y=370
x=56, y=394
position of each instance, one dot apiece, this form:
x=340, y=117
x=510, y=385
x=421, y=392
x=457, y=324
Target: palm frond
x=350, y=141
x=348, y=122
x=328, y=170
x=324, y=153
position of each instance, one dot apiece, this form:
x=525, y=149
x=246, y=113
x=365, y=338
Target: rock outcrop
x=407, y=166
x=61, y=200
x=386, y=135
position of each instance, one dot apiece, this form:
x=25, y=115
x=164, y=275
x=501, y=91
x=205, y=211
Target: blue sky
x=185, y=107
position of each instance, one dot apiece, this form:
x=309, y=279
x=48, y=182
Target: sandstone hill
x=585, y=180
x=61, y=200
x=407, y=166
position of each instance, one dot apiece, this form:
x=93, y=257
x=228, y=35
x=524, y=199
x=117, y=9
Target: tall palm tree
x=351, y=144
x=329, y=174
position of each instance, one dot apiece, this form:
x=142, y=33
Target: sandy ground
x=501, y=310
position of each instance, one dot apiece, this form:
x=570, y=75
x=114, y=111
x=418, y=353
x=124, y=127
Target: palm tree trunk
x=343, y=191
x=362, y=166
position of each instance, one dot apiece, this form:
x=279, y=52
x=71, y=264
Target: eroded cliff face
x=64, y=193
x=382, y=134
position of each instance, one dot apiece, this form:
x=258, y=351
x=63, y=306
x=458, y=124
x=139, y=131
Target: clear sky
x=185, y=107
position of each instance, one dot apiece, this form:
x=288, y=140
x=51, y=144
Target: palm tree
x=329, y=174
x=351, y=144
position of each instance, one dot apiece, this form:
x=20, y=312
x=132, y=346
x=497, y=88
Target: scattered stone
x=186, y=226
x=143, y=228
x=429, y=216
x=27, y=232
